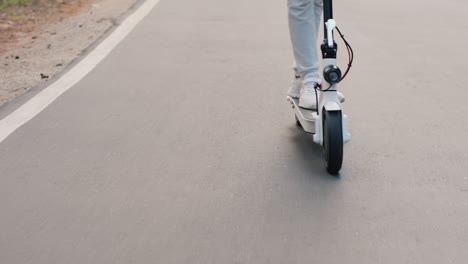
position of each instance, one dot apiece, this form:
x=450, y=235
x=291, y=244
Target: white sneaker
x=308, y=97
x=295, y=89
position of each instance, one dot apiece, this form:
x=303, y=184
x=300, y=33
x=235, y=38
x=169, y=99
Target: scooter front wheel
x=332, y=141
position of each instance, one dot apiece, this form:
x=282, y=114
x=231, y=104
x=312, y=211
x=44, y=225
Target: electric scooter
x=328, y=124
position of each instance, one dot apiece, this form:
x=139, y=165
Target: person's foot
x=309, y=101
x=295, y=89
x=308, y=96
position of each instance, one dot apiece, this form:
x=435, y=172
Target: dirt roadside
x=39, y=41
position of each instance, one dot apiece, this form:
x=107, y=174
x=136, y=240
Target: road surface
x=180, y=147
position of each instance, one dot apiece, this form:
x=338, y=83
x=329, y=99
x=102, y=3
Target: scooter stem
x=327, y=13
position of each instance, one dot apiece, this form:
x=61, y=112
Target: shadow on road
x=310, y=155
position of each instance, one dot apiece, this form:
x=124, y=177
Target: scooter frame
x=328, y=100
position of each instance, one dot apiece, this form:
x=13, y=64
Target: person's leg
x=304, y=21
x=296, y=83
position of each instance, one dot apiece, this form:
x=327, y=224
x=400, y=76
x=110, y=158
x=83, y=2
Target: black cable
x=351, y=53
x=328, y=89
x=316, y=89
x=350, y=64
x=316, y=99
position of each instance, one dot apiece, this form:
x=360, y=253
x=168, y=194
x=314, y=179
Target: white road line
x=39, y=102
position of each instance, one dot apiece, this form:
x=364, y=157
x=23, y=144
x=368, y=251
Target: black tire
x=332, y=141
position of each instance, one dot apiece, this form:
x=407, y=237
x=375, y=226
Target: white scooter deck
x=306, y=117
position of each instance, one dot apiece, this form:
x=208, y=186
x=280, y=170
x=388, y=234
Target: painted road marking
x=35, y=105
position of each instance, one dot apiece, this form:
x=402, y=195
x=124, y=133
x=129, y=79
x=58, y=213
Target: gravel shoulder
x=42, y=46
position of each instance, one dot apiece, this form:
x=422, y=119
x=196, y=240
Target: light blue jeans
x=304, y=21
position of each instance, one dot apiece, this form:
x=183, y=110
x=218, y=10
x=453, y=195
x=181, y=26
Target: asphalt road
x=180, y=147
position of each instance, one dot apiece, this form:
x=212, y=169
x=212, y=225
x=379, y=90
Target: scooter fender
x=318, y=130
x=331, y=106
x=328, y=106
